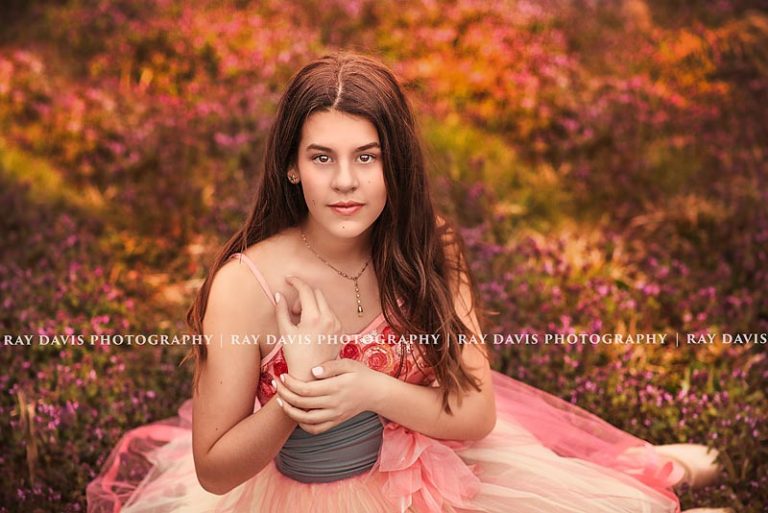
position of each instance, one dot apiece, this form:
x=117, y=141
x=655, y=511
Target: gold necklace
x=342, y=273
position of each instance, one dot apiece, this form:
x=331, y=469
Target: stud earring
x=293, y=178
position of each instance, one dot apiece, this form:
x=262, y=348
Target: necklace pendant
x=359, y=310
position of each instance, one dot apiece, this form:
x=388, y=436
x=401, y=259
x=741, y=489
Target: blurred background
x=606, y=160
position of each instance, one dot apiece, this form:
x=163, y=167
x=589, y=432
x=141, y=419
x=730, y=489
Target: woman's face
x=339, y=161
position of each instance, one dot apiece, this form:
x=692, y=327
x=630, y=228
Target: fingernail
x=274, y=383
x=280, y=402
x=277, y=297
x=282, y=378
x=317, y=371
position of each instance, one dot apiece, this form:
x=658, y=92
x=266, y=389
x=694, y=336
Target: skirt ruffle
x=544, y=455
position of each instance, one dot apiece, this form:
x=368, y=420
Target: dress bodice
x=376, y=346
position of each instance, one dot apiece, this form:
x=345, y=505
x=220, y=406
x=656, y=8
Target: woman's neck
x=347, y=254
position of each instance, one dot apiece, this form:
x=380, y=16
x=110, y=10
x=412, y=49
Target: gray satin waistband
x=346, y=450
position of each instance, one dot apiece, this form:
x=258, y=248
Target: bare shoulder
x=237, y=297
x=234, y=297
x=238, y=315
x=275, y=257
x=276, y=245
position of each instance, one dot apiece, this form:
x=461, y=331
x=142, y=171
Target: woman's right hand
x=310, y=342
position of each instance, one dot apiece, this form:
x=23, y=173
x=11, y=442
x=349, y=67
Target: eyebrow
x=329, y=150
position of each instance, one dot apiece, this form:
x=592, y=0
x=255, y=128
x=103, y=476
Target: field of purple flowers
x=608, y=163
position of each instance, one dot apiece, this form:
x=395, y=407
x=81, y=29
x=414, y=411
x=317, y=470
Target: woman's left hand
x=345, y=388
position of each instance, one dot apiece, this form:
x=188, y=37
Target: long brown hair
x=409, y=247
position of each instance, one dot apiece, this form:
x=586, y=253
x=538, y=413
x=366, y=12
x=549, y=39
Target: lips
x=346, y=204
x=346, y=208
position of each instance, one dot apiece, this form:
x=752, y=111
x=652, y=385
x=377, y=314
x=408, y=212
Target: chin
x=347, y=228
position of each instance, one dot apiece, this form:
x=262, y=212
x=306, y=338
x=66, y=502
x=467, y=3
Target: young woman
x=337, y=380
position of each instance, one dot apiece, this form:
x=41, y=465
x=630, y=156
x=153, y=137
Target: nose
x=345, y=178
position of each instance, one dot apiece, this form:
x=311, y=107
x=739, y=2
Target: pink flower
x=266, y=389
x=378, y=358
x=280, y=366
x=389, y=335
x=350, y=350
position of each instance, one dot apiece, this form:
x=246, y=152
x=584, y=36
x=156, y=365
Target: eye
x=370, y=159
x=314, y=159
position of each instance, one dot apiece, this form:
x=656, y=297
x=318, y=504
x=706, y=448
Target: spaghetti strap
x=255, y=270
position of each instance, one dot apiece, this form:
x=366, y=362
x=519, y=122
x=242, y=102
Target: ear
x=293, y=175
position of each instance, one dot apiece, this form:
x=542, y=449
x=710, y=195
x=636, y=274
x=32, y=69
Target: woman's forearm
x=245, y=449
x=420, y=409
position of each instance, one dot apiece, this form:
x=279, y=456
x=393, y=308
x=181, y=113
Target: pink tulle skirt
x=545, y=455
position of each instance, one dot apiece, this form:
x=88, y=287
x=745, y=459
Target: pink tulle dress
x=544, y=455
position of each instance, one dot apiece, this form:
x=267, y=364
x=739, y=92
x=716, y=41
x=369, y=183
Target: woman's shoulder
x=268, y=262
x=242, y=291
x=274, y=252
x=235, y=306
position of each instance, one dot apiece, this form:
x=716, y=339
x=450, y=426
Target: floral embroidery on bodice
x=379, y=348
